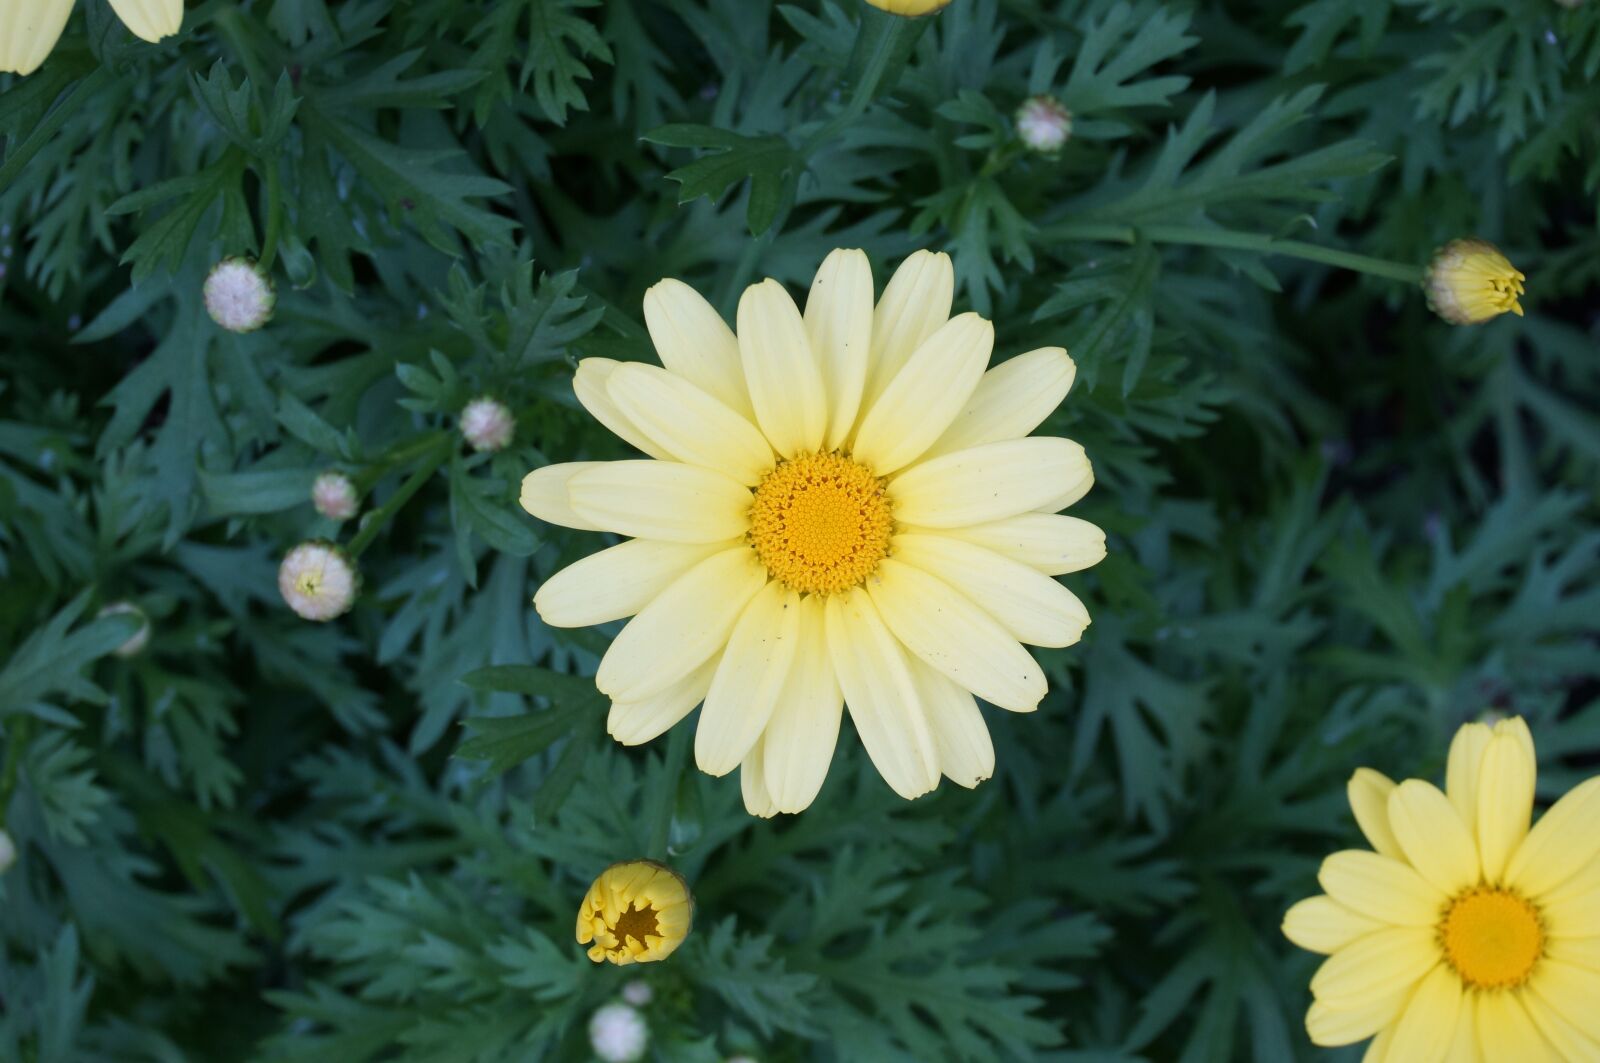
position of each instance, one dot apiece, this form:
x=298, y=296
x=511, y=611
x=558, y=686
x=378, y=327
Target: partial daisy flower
x=910, y=7
x=29, y=29
x=635, y=912
x=334, y=496
x=140, y=638
x=318, y=581
x=843, y=508
x=1470, y=282
x=487, y=425
x=1465, y=935
x=238, y=295
x=618, y=1034
x=1043, y=124
x=638, y=993
x=8, y=852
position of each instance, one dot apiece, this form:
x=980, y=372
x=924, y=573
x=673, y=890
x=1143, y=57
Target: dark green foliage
x=1339, y=527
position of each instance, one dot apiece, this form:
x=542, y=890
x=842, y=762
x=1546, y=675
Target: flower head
x=636, y=912
x=1466, y=934
x=487, y=425
x=909, y=7
x=618, y=1034
x=8, y=852
x=239, y=295
x=29, y=29
x=1044, y=124
x=140, y=638
x=845, y=509
x=335, y=496
x=638, y=993
x=1470, y=281
x=318, y=581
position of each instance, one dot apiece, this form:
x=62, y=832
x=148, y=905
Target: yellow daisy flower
x=1465, y=937
x=910, y=7
x=843, y=507
x=636, y=912
x=29, y=29
x=1470, y=282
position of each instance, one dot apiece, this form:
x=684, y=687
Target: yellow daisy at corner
x=1465, y=936
x=840, y=508
x=29, y=29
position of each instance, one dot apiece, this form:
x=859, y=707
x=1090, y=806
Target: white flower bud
x=8, y=852
x=487, y=425
x=618, y=1034
x=136, y=641
x=638, y=993
x=335, y=496
x=318, y=581
x=1043, y=124
x=239, y=295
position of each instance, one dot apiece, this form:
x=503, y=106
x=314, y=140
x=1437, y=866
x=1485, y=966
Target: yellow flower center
x=635, y=923
x=1492, y=937
x=821, y=523
x=308, y=582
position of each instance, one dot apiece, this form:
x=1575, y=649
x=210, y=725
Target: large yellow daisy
x=840, y=508
x=1465, y=937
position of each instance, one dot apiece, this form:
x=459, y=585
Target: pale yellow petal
x=1010, y=401
x=1071, y=491
x=1032, y=607
x=681, y=627
x=800, y=737
x=1428, y=1024
x=880, y=694
x=1506, y=1032
x=753, y=783
x=1381, y=888
x=915, y=303
x=618, y=581
x=1461, y=773
x=544, y=494
x=781, y=371
x=689, y=424
x=1378, y=1050
x=966, y=753
x=1369, y=792
x=661, y=500
x=1505, y=801
x=1435, y=842
x=1573, y=909
x=1322, y=924
x=635, y=722
x=1579, y=952
x=1464, y=1043
x=1379, y=965
x=987, y=483
x=1053, y=543
x=29, y=30
x=745, y=689
x=591, y=383
x=925, y=396
x=1569, y=1039
x=1564, y=840
x=955, y=637
x=150, y=20
x=1572, y=991
x=694, y=342
x=1333, y=1027
x=838, y=322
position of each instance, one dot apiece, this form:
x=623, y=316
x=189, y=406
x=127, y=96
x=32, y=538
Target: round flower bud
x=8, y=852
x=618, y=1034
x=239, y=295
x=136, y=641
x=636, y=912
x=487, y=424
x=638, y=993
x=335, y=496
x=318, y=581
x=1470, y=282
x=1043, y=124
x=909, y=7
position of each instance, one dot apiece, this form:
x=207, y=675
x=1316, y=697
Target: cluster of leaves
x=289, y=825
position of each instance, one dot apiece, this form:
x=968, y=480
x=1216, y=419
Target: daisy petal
x=695, y=343
x=880, y=694
x=1560, y=844
x=1322, y=924
x=1369, y=799
x=753, y=784
x=635, y=722
x=838, y=321
x=688, y=424
x=1378, y=1050
x=925, y=396
x=1434, y=840
x=747, y=684
x=915, y=303
x=661, y=500
x=1505, y=801
x=29, y=31
x=1571, y=1040
x=987, y=483
x=1379, y=965
x=544, y=494
x=1428, y=1024
x=966, y=753
x=1011, y=400
x=1578, y=952
x=1381, y=888
x=1464, y=1042
x=591, y=383
x=1461, y=775
x=618, y=581
x=1573, y=992
x=1053, y=543
x=1032, y=607
x=150, y=20
x=955, y=637
x=681, y=627
x=800, y=737
x=1505, y=1031
x=1334, y=1027
x=1573, y=910
x=785, y=383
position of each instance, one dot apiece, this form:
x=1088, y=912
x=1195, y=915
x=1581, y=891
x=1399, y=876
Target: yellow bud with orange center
x=636, y=912
x=1470, y=282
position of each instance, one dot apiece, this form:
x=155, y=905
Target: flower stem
x=16, y=740
x=370, y=528
x=272, y=197
x=666, y=800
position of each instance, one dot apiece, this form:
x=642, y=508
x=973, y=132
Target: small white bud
x=318, y=581
x=8, y=852
x=239, y=295
x=638, y=993
x=335, y=496
x=487, y=425
x=136, y=641
x=618, y=1034
x=1043, y=124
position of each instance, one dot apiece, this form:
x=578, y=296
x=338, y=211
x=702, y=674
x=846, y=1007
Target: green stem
x=272, y=206
x=382, y=515
x=1228, y=238
x=17, y=739
x=230, y=23
x=667, y=799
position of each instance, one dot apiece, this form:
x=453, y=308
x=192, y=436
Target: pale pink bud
x=638, y=993
x=318, y=581
x=618, y=1034
x=1043, y=124
x=335, y=496
x=487, y=425
x=239, y=295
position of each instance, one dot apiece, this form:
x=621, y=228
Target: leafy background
x=1339, y=527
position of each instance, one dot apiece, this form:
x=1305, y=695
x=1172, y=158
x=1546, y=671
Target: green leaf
x=771, y=165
